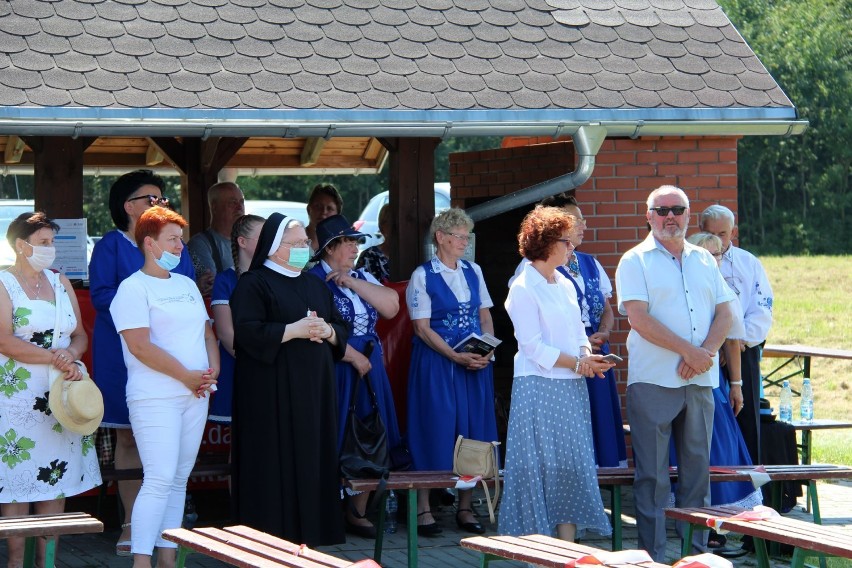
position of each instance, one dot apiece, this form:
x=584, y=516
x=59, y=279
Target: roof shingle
x=376, y=54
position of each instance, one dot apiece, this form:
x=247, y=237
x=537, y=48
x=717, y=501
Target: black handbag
x=364, y=453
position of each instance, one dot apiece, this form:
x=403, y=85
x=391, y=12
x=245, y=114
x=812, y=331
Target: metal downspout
x=587, y=142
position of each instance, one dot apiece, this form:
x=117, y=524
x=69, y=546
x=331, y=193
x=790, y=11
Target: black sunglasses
x=152, y=199
x=664, y=211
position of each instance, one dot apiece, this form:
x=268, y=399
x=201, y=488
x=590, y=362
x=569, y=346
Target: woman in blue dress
x=115, y=257
x=361, y=300
x=449, y=393
x=244, y=235
x=727, y=446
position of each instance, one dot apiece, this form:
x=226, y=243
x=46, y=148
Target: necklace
x=23, y=280
x=574, y=266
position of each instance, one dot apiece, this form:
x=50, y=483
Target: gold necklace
x=23, y=280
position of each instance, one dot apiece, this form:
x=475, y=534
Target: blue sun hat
x=331, y=228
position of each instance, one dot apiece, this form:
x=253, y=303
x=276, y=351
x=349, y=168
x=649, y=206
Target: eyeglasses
x=152, y=199
x=463, y=238
x=299, y=244
x=717, y=254
x=664, y=211
x=566, y=241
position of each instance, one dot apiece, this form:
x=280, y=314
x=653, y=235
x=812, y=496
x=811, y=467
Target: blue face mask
x=299, y=257
x=167, y=260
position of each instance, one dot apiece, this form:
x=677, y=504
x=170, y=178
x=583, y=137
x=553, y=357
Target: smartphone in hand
x=612, y=358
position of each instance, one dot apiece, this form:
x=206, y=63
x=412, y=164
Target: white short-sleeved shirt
x=418, y=300
x=747, y=278
x=173, y=311
x=681, y=296
x=546, y=318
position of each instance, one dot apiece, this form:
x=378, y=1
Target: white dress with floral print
x=39, y=460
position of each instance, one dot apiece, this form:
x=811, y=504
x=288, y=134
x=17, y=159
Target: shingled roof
x=374, y=67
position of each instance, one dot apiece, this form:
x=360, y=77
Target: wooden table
x=30, y=527
x=539, y=550
x=799, y=355
x=802, y=535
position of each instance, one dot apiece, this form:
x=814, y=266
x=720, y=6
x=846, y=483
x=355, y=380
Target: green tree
x=794, y=192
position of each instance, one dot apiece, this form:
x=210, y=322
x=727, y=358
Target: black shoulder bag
x=364, y=453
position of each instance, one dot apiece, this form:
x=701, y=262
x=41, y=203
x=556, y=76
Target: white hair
x=715, y=212
x=217, y=189
x=665, y=189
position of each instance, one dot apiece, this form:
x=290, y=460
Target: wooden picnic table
x=800, y=355
x=802, y=535
x=614, y=478
x=539, y=550
x=51, y=526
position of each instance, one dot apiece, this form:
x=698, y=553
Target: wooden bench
x=613, y=479
x=536, y=549
x=802, y=535
x=249, y=548
x=30, y=527
x=410, y=481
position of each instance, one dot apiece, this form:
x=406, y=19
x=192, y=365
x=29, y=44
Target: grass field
x=812, y=307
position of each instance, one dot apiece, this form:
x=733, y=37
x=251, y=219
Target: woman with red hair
x=551, y=480
x=172, y=364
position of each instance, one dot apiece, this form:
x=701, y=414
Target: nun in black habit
x=287, y=337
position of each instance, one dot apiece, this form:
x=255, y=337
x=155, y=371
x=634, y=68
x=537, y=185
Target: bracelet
x=735, y=383
x=577, y=366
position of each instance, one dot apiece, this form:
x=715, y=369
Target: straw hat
x=77, y=405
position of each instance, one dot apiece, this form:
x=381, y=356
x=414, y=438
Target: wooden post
x=412, y=201
x=58, y=175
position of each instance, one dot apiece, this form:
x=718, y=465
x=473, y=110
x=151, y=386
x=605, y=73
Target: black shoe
x=432, y=529
x=364, y=531
x=471, y=527
x=728, y=552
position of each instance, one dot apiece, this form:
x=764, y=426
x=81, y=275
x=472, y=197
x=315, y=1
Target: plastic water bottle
x=190, y=517
x=785, y=406
x=391, y=507
x=807, y=406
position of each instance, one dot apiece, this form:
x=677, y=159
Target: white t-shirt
x=418, y=300
x=173, y=311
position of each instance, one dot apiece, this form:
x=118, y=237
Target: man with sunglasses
x=211, y=249
x=678, y=307
x=747, y=278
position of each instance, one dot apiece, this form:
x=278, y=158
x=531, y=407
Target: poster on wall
x=72, y=256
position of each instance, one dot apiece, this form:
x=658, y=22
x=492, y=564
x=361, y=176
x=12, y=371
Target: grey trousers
x=657, y=414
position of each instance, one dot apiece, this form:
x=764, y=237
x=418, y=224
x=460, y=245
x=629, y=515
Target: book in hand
x=477, y=344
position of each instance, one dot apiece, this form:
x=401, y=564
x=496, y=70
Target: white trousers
x=168, y=434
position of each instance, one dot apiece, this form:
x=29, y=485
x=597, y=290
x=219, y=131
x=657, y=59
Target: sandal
x=122, y=547
x=716, y=540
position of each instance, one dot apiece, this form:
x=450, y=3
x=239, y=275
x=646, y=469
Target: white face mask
x=42, y=257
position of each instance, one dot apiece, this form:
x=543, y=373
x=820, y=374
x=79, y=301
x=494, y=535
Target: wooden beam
x=412, y=201
x=311, y=151
x=14, y=150
x=208, y=151
x=58, y=175
x=153, y=156
x=174, y=150
x=227, y=149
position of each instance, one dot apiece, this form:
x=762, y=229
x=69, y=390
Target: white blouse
x=547, y=322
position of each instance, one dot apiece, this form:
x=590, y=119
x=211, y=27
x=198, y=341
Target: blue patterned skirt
x=550, y=460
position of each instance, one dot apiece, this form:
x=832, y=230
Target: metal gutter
x=587, y=142
x=403, y=130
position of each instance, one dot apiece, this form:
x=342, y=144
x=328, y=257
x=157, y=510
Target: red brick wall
x=612, y=200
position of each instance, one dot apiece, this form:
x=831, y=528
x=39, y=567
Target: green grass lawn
x=812, y=296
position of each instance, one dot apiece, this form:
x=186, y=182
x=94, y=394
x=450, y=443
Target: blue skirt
x=445, y=401
x=607, y=423
x=220, y=404
x=551, y=477
x=346, y=376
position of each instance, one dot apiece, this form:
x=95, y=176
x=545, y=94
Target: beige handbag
x=475, y=458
